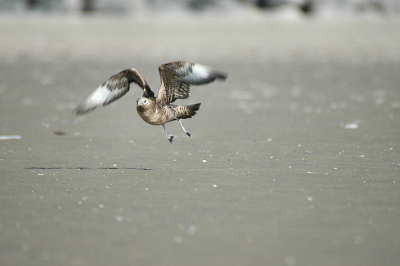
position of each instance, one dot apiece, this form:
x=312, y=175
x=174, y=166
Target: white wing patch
x=101, y=96
x=201, y=75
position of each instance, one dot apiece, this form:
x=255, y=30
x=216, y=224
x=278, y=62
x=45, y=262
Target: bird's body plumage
x=176, y=78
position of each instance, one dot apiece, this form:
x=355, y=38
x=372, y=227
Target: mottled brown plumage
x=176, y=78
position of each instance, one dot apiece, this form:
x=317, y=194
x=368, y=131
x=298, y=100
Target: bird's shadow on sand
x=87, y=168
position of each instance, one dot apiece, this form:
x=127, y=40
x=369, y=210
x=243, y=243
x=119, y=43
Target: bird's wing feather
x=176, y=78
x=113, y=89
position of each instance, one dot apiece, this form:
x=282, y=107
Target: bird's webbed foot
x=170, y=138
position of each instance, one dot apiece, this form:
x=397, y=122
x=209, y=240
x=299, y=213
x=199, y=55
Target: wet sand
x=293, y=161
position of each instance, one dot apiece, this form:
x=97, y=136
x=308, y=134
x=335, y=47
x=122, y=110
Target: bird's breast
x=153, y=116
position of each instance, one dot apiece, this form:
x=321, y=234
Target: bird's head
x=143, y=102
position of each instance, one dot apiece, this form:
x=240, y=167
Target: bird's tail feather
x=193, y=108
x=187, y=111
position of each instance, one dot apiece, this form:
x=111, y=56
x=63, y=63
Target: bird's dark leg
x=169, y=137
x=184, y=130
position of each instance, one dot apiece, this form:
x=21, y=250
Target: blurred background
x=139, y=7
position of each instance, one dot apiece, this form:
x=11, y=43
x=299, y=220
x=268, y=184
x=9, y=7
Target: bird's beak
x=139, y=103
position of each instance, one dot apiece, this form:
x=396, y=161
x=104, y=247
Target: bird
x=176, y=78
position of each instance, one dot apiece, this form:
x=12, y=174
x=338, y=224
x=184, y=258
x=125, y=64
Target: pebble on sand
x=351, y=126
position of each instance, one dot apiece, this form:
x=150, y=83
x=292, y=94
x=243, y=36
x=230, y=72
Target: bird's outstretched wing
x=113, y=89
x=176, y=78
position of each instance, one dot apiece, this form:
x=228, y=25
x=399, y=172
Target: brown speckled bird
x=176, y=78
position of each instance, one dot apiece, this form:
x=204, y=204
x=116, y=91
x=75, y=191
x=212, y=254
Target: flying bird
x=176, y=78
